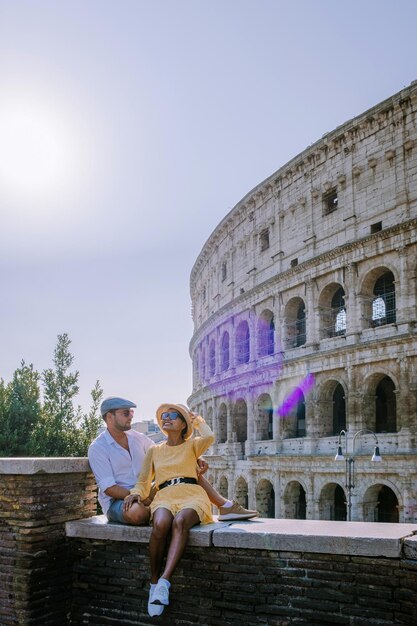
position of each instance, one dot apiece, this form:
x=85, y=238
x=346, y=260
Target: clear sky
x=129, y=129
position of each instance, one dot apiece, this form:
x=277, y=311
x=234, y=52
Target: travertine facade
x=305, y=309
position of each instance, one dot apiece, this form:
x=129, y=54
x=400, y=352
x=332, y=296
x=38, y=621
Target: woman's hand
x=129, y=500
x=151, y=495
x=195, y=419
x=202, y=467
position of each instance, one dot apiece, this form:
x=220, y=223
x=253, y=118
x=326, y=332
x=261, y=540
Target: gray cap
x=112, y=403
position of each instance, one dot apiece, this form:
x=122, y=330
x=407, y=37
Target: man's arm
x=103, y=473
x=117, y=492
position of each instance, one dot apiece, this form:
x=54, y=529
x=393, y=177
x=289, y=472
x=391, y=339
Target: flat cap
x=112, y=403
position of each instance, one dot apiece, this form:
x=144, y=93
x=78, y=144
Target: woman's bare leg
x=212, y=493
x=137, y=515
x=161, y=525
x=183, y=521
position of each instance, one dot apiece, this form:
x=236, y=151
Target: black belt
x=176, y=481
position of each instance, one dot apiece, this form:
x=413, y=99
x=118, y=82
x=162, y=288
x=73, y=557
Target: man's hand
x=129, y=500
x=202, y=467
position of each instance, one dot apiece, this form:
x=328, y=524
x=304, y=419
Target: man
x=116, y=458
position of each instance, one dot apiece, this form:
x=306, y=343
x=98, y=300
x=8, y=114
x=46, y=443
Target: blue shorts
x=115, y=512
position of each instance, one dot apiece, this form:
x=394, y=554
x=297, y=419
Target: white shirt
x=113, y=465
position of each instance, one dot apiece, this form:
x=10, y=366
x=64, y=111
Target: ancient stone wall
x=312, y=277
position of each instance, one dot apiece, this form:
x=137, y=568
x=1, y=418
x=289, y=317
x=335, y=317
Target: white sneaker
x=160, y=594
x=154, y=609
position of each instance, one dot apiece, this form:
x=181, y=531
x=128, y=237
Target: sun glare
x=37, y=154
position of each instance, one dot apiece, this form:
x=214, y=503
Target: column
x=353, y=401
x=312, y=313
x=251, y=492
x=404, y=416
x=251, y=422
x=368, y=411
x=252, y=335
x=229, y=408
x=405, y=304
x=278, y=496
x=276, y=419
x=353, y=308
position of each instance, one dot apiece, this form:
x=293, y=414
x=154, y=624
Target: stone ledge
x=349, y=538
x=324, y=537
x=410, y=548
x=99, y=527
x=46, y=465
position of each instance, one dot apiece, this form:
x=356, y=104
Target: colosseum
x=304, y=347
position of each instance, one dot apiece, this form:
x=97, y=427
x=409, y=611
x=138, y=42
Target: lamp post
x=350, y=462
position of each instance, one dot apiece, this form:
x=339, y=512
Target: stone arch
x=209, y=417
x=224, y=487
x=266, y=333
x=203, y=364
x=240, y=420
x=264, y=417
x=385, y=406
x=241, y=492
x=332, y=311
x=381, y=504
x=295, y=323
x=225, y=352
x=242, y=343
x=333, y=503
x=222, y=423
x=331, y=399
x=265, y=498
x=339, y=409
x=380, y=404
x=378, y=292
x=295, y=501
x=293, y=423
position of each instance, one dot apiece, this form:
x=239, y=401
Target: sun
x=37, y=159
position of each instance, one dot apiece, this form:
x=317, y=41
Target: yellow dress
x=163, y=462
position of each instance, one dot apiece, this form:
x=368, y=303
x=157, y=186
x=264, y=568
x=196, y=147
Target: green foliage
x=20, y=411
x=91, y=423
x=55, y=428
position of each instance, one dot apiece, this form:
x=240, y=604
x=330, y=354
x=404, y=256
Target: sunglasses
x=170, y=415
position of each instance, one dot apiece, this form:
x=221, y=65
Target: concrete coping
x=410, y=548
x=46, y=465
x=314, y=536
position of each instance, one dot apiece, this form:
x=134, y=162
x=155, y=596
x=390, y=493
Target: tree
x=57, y=431
x=56, y=428
x=20, y=411
x=92, y=421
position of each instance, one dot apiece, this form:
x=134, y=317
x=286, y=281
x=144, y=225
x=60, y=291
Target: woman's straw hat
x=181, y=408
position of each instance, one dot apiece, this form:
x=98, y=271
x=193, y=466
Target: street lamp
x=350, y=462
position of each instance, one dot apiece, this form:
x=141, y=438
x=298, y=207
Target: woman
x=180, y=503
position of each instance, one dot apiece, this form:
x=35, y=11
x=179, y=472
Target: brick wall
x=62, y=566
x=37, y=497
x=231, y=587
x=274, y=572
